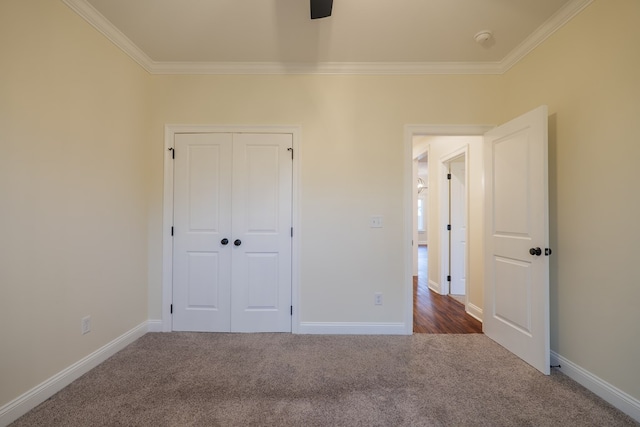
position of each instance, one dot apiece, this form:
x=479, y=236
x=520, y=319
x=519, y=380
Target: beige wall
x=351, y=167
x=589, y=75
x=73, y=123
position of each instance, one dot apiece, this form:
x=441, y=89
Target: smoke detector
x=483, y=36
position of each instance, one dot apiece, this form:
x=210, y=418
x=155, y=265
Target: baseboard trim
x=435, y=287
x=474, y=311
x=616, y=397
x=154, y=326
x=351, y=328
x=32, y=398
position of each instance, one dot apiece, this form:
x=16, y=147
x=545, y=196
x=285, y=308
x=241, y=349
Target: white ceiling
x=369, y=36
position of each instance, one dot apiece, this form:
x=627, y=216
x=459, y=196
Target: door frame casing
x=410, y=131
x=167, y=217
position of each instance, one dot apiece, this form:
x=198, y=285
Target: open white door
x=516, y=240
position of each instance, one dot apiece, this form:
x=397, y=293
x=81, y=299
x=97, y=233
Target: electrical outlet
x=85, y=324
x=377, y=298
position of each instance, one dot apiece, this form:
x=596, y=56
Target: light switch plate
x=375, y=221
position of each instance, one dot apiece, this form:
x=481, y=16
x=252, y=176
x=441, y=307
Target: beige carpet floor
x=196, y=379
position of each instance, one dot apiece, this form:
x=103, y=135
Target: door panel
x=511, y=177
x=203, y=180
x=259, y=174
x=262, y=177
x=262, y=281
x=516, y=220
x=202, y=265
x=202, y=280
x=512, y=293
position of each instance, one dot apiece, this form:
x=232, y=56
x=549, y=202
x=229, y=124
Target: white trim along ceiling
x=99, y=22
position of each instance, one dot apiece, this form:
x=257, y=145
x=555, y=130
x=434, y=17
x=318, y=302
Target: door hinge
x=290, y=149
x=292, y=310
x=448, y=176
x=171, y=309
x=448, y=227
x=291, y=231
x=173, y=152
x=448, y=278
x=172, y=231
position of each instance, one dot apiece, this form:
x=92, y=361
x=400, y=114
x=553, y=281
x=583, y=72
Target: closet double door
x=232, y=232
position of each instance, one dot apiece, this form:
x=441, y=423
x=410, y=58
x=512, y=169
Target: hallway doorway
x=429, y=295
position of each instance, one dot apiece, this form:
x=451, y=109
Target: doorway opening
x=440, y=254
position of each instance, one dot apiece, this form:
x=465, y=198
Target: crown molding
x=361, y=68
x=104, y=26
x=553, y=24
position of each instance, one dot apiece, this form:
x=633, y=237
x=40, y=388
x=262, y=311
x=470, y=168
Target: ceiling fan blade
x=321, y=8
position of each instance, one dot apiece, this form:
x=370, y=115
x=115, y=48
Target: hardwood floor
x=438, y=314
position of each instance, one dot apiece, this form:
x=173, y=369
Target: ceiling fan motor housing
x=321, y=8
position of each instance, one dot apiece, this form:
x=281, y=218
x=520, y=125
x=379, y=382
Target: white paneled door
x=458, y=221
x=517, y=236
x=232, y=232
x=261, y=223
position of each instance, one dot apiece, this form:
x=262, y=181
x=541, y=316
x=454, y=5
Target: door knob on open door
x=237, y=242
x=224, y=241
x=535, y=251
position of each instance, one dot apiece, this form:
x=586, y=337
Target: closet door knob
x=224, y=241
x=237, y=242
